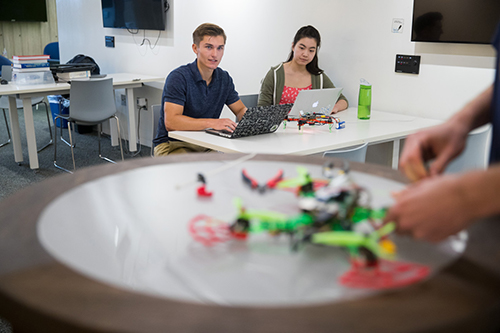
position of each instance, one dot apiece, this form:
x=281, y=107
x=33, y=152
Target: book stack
x=30, y=63
x=31, y=69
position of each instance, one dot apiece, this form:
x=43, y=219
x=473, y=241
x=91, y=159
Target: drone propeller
x=352, y=239
x=238, y=203
x=302, y=179
x=385, y=230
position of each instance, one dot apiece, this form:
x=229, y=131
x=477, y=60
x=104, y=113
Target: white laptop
x=316, y=100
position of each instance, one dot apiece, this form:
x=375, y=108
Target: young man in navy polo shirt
x=194, y=94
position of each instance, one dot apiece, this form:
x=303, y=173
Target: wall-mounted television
x=455, y=21
x=23, y=10
x=134, y=14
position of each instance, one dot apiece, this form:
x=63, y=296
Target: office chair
x=35, y=101
x=475, y=154
x=52, y=49
x=250, y=100
x=4, y=62
x=92, y=103
x=354, y=154
x=156, y=110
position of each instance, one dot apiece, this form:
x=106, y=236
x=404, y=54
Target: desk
x=38, y=293
x=127, y=81
x=382, y=127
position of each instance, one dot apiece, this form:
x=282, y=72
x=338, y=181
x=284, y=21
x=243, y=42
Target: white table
x=127, y=81
x=382, y=127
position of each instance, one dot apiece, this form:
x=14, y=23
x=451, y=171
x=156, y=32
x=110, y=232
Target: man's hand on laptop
x=223, y=124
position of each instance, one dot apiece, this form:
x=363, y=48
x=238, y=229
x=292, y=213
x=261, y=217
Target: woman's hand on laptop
x=223, y=124
x=341, y=105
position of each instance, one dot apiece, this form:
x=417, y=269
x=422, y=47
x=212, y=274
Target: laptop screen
x=316, y=100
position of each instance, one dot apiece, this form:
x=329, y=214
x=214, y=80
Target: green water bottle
x=365, y=99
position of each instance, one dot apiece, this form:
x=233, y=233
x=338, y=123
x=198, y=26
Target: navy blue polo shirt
x=184, y=86
x=495, y=105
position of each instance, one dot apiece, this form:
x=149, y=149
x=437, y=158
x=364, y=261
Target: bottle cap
x=363, y=82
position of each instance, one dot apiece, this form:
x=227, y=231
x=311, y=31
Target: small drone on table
x=315, y=119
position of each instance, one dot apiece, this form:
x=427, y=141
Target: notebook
x=319, y=101
x=257, y=120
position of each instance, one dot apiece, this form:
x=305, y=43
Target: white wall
x=357, y=41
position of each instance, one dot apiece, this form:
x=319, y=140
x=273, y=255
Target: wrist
x=479, y=192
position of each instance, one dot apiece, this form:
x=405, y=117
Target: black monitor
x=23, y=10
x=134, y=14
x=456, y=21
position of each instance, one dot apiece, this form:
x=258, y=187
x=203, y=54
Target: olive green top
x=274, y=82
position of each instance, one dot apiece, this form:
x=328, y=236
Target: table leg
x=132, y=129
x=114, y=132
x=30, y=133
x=15, y=130
x=395, y=153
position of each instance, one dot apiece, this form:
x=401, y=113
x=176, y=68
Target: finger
x=420, y=170
x=396, y=194
x=415, y=171
x=391, y=216
x=438, y=166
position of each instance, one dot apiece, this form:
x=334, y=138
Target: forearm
x=480, y=192
x=185, y=123
x=238, y=108
x=475, y=113
x=239, y=113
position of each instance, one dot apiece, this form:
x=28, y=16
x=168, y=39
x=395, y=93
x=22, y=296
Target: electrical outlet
x=124, y=100
x=142, y=102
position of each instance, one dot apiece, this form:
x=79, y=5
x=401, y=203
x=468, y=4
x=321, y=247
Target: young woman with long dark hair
x=300, y=72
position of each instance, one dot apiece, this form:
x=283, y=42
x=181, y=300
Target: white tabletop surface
x=127, y=81
x=383, y=126
x=148, y=251
x=44, y=89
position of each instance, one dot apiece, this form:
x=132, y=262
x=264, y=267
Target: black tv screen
x=23, y=10
x=455, y=21
x=134, y=14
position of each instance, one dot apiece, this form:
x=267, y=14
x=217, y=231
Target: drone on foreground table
x=334, y=211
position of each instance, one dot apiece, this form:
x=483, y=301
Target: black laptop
x=257, y=120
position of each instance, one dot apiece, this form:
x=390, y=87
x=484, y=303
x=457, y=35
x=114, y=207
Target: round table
x=39, y=294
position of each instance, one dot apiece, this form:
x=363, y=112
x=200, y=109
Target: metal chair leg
x=119, y=140
x=55, y=147
x=70, y=129
x=70, y=124
x=50, y=128
x=61, y=127
x=8, y=131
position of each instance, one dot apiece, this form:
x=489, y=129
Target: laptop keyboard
x=257, y=119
